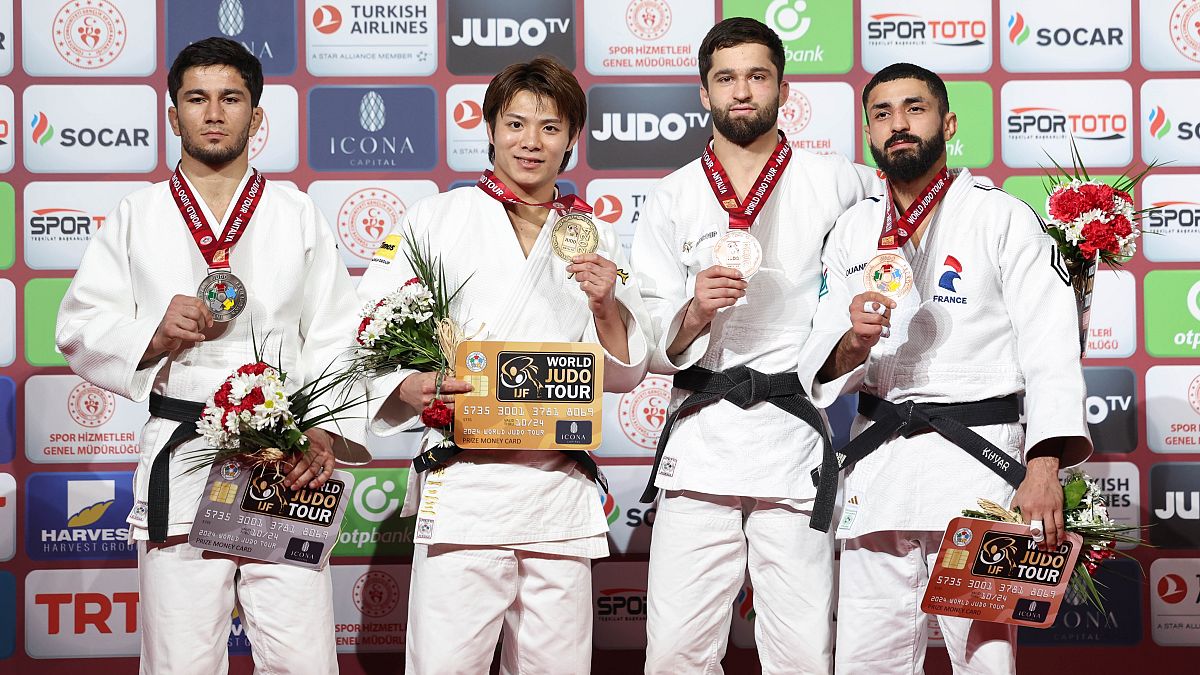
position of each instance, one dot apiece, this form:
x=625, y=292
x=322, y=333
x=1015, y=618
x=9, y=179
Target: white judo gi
x=503, y=537
x=738, y=486
x=299, y=295
x=990, y=314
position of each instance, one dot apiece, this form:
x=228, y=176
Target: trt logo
x=1175, y=505
x=665, y=129
x=482, y=33
x=81, y=612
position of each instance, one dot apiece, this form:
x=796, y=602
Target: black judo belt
x=440, y=454
x=951, y=420
x=744, y=387
x=158, y=496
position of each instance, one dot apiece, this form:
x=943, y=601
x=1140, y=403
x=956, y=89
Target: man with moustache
x=728, y=252
x=946, y=300
x=135, y=321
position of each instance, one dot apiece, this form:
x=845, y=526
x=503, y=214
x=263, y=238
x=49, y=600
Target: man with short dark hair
x=505, y=538
x=945, y=301
x=728, y=254
x=135, y=321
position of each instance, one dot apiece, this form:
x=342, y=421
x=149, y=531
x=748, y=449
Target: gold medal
x=889, y=274
x=740, y=250
x=574, y=234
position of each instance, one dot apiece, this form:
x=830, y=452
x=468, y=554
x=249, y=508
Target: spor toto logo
x=365, y=217
x=786, y=18
x=327, y=19
x=376, y=594
x=468, y=114
x=643, y=411
x=1172, y=589
x=1036, y=122
x=89, y=33
x=89, y=405
x=1185, y=28
x=608, y=208
x=648, y=19
x=795, y=115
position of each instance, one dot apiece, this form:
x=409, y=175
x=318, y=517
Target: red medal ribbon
x=743, y=213
x=496, y=189
x=216, y=251
x=897, y=230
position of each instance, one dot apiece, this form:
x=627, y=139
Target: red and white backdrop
x=372, y=105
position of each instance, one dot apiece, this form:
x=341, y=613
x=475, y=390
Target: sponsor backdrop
x=371, y=105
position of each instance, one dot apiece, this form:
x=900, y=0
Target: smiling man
x=728, y=254
x=137, y=322
x=944, y=301
x=506, y=537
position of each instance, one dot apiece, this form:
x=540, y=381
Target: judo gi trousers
x=187, y=599
x=701, y=548
x=881, y=628
x=463, y=597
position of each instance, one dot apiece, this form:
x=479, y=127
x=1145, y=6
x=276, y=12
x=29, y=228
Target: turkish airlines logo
x=468, y=114
x=327, y=19
x=608, y=208
x=1172, y=589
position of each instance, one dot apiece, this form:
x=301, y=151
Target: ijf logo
x=266, y=28
x=376, y=128
x=743, y=617
x=962, y=536
x=74, y=516
x=643, y=411
x=648, y=19
x=1074, y=35
x=90, y=406
x=948, y=37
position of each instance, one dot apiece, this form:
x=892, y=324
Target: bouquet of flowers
x=1092, y=222
x=1086, y=514
x=411, y=327
x=251, y=416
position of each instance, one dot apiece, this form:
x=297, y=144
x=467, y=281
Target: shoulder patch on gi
x=824, y=289
x=387, y=248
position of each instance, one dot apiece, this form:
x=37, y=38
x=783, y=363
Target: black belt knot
x=158, y=493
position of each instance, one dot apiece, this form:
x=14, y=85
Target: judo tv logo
x=641, y=126
x=1111, y=408
x=1175, y=505
x=482, y=33
x=372, y=128
x=266, y=28
x=78, y=516
x=546, y=376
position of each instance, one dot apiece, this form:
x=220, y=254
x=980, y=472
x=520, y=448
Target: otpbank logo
x=1172, y=302
x=78, y=516
x=818, y=37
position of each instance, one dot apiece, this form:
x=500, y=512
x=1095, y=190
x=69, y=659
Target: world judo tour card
x=529, y=395
x=993, y=571
x=246, y=511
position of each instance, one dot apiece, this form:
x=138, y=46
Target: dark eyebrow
x=543, y=120
x=224, y=92
x=752, y=70
x=910, y=99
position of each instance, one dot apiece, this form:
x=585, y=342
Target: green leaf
x=1073, y=493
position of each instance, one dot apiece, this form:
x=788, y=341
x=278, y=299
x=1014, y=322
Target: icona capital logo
x=231, y=17
x=1018, y=32
x=1160, y=124
x=42, y=130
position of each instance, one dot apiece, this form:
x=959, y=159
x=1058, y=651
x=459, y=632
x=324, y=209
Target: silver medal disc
x=224, y=294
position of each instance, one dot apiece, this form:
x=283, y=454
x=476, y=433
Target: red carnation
x=253, y=369
x=1097, y=236
x=361, y=327
x=414, y=280
x=1104, y=197
x=437, y=415
x=221, y=398
x=254, y=398
x=1066, y=205
x=1123, y=195
x=1121, y=226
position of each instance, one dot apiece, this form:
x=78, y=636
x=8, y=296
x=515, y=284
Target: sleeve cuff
x=387, y=415
x=689, y=356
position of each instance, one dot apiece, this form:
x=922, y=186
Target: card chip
x=223, y=493
x=955, y=559
x=479, y=384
